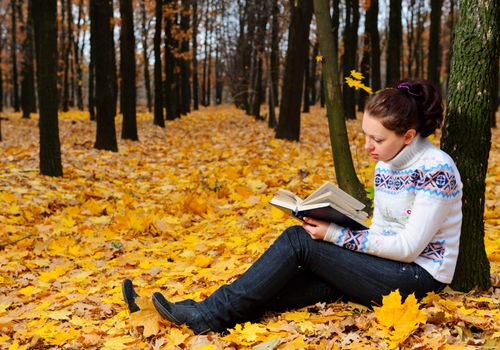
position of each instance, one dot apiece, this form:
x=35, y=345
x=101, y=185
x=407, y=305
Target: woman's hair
x=411, y=104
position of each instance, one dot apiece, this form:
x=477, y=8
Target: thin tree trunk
x=185, y=71
x=45, y=24
x=159, y=116
x=314, y=73
x=13, y=53
x=372, y=23
x=127, y=71
x=67, y=51
x=91, y=92
x=289, y=117
x=275, y=70
x=194, y=63
x=434, y=57
x=78, y=53
x=105, y=73
x=28, y=98
x=467, y=135
x=344, y=168
x=170, y=62
x=307, y=82
x=394, y=43
x=349, y=59
x=145, y=56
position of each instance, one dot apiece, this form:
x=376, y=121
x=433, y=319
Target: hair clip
x=406, y=86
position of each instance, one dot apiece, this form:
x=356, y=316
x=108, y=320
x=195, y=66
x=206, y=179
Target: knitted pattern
x=417, y=215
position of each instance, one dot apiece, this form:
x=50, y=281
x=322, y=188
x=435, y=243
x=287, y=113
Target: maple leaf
x=399, y=320
x=357, y=75
x=147, y=317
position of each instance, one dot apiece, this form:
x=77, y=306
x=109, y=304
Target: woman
x=411, y=245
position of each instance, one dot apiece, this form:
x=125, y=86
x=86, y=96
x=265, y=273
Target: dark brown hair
x=410, y=104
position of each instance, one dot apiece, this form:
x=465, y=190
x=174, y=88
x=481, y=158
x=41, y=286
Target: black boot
x=129, y=295
x=180, y=313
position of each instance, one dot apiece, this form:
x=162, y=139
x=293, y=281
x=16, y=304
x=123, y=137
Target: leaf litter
x=182, y=212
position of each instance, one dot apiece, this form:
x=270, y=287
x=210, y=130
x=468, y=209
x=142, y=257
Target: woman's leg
x=362, y=277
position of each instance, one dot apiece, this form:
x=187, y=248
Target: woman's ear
x=409, y=136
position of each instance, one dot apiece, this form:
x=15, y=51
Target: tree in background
x=45, y=24
x=28, y=98
x=103, y=50
x=13, y=55
x=170, y=42
x=467, y=135
x=127, y=71
x=145, y=55
x=393, y=57
x=349, y=58
x=344, y=167
x=159, y=116
x=293, y=80
x=194, y=63
x=434, y=59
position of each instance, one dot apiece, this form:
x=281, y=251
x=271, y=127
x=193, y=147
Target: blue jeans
x=296, y=271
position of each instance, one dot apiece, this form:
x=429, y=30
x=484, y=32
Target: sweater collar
x=409, y=154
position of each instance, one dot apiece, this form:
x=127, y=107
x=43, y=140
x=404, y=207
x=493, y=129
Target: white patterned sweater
x=417, y=212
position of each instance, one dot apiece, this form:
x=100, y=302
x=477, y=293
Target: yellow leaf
x=203, y=261
x=357, y=75
x=16, y=346
x=296, y=316
x=399, y=320
x=276, y=213
x=177, y=337
x=54, y=274
x=319, y=58
x=119, y=343
x=146, y=317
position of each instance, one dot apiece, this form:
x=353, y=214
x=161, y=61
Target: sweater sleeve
x=403, y=242
x=424, y=222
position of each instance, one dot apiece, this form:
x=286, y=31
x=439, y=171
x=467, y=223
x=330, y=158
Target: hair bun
x=429, y=101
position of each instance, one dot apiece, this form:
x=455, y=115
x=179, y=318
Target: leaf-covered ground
x=183, y=211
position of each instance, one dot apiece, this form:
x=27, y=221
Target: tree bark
x=275, y=68
x=127, y=71
x=170, y=61
x=185, y=71
x=28, y=97
x=194, y=63
x=306, y=103
x=349, y=60
x=145, y=56
x=394, y=43
x=374, y=39
x=467, y=135
x=13, y=53
x=159, y=116
x=344, y=168
x=45, y=24
x=103, y=49
x=78, y=54
x=67, y=51
x=434, y=58
x=293, y=83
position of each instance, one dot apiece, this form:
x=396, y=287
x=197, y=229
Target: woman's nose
x=368, y=144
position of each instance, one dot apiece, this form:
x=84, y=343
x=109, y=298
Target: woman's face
x=381, y=143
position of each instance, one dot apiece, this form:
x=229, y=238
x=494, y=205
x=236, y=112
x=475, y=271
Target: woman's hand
x=316, y=228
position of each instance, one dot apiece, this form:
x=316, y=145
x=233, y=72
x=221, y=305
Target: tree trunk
x=91, y=93
x=394, y=43
x=103, y=49
x=314, y=73
x=307, y=81
x=434, y=58
x=13, y=53
x=344, y=168
x=194, y=63
x=67, y=51
x=145, y=56
x=374, y=38
x=78, y=54
x=170, y=61
x=28, y=98
x=298, y=37
x=275, y=54
x=45, y=24
x=467, y=135
x=127, y=71
x=185, y=71
x=349, y=59
x=1, y=74
x=159, y=116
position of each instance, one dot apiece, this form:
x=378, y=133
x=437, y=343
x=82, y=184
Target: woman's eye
x=377, y=140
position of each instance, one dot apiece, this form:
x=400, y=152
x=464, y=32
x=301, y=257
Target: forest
x=144, y=139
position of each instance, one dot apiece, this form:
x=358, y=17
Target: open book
x=328, y=203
